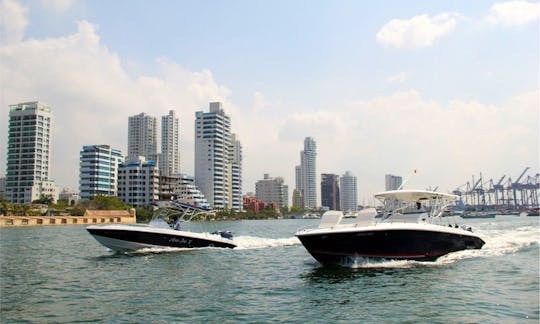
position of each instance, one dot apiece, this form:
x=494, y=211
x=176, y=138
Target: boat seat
x=365, y=216
x=331, y=218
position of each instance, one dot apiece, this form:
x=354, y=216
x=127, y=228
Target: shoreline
x=28, y=221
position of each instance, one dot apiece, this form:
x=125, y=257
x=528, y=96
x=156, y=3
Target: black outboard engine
x=224, y=234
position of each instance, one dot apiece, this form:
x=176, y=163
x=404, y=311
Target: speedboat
x=164, y=230
x=411, y=227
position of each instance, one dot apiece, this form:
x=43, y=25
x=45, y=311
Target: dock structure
x=90, y=217
x=501, y=195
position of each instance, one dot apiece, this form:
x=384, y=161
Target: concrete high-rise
x=218, y=158
x=138, y=182
x=99, y=171
x=308, y=173
x=235, y=180
x=142, y=137
x=28, y=153
x=330, y=191
x=272, y=191
x=392, y=182
x=169, y=162
x=348, y=192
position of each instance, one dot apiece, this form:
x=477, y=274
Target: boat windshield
x=172, y=213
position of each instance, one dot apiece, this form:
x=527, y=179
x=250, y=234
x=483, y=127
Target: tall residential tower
x=142, y=137
x=28, y=153
x=306, y=176
x=218, y=159
x=392, y=182
x=169, y=163
x=349, y=192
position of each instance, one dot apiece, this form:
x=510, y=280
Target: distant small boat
x=478, y=214
x=533, y=212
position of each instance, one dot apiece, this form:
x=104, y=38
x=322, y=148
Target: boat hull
x=396, y=244
x=124, y=239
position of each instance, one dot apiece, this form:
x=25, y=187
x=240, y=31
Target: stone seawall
x=21, y=221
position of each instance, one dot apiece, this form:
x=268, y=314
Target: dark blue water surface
x=61, y=274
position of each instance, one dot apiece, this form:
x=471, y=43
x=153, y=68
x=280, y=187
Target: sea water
x=61, y=274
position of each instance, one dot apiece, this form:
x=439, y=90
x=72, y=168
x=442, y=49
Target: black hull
x=140, y=239
x=339, y=248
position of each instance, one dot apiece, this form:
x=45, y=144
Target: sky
x=449, y=88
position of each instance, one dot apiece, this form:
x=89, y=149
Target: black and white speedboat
x=411, y=227
x=164, y=230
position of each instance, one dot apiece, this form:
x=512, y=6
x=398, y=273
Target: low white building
x=71, y=196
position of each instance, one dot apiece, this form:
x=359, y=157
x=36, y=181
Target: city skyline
x=447, y=88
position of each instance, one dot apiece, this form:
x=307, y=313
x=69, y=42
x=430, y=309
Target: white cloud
x=419, y=31
x=514, y=13
x=59, y=6
x=397, y=78
x=13, y=21
x=92, y=95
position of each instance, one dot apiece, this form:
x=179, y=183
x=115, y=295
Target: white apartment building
x=218, y=159
x=392, y=182
x=348, y=192
x=272, y=191
x=169, y=162
x=71, y=196
x=138, y=182
x=99, y=171
x=142, y=137
x=28, y=152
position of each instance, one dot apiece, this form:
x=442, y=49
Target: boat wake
x=254, y=242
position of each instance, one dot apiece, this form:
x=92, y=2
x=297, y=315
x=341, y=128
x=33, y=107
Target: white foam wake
x=254, y=242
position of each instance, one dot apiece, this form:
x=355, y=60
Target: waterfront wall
x=90, y=218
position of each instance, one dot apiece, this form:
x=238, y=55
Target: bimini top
x=413, y=195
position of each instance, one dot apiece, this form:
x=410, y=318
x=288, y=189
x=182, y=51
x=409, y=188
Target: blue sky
x=444, y=85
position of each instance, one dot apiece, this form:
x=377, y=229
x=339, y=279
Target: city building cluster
x=145, y=175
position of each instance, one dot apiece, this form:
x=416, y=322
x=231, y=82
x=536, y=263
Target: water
x=61, y=274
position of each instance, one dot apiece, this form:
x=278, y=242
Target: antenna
x=404, y=182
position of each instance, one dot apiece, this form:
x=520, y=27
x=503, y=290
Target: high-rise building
x=28, y=153
x=298, y=179
x=99, y=171
x=169, y=163
x=272, y=190
x=235, y=162
x=348, y=192
x=330, y=191
x=218, y=158
x=142, y=137
x=392, y=182
x=308, y=175
x=138, y=182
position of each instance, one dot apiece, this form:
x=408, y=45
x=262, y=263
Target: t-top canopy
x=413, y=195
